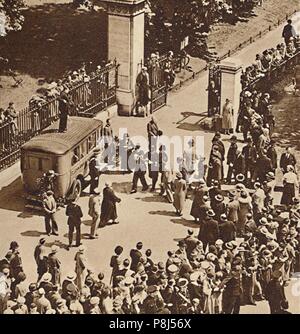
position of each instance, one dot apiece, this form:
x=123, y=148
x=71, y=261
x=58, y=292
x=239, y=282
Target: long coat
x=108, y=206
x=179, y=194
x=227, y=116
x=198, y=200
x=215, y=170
x=209, y=232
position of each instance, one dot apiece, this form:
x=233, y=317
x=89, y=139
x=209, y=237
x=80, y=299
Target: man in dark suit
x=287, y=158
x=263, y=166
x=74, y=214
x=227, y=229
x=275, y=293
x=231, y=157
x=272, y=154
x=135, y=255
x=209, y=230
x=191, y=242
x=64, y=110
x=250, y=154
x=233, y=291
x=94, y=172
x=288, y=32
x=239, y=164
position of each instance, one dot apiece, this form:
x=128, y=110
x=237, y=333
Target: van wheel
x=77, y=190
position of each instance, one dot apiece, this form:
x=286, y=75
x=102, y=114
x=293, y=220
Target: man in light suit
x=94, y=212
x=49, y=206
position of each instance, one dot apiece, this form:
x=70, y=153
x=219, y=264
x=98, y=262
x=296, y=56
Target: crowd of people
x=241, y=255
x=246, y=249
x=273, y=57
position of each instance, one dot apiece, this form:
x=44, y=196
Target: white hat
x=54, y=249
x=81, y=248
x=47, y=277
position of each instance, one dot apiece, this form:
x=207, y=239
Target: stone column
x=231, y=70
x=126, y=23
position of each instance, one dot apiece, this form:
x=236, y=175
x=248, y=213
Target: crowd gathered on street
x=244, y=247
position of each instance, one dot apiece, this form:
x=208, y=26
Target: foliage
x=11, y=18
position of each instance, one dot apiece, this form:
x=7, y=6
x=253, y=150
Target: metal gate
x=214, y=89
x=158, y=82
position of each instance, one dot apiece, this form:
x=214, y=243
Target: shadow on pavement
x=189, y=127
x=87, y=222
x=56, y=243
x=185, y=222
x=163, y=213
x=122, y=187
x=153, y=199
x=84, y=236
x=11, y=196
x=34, y=234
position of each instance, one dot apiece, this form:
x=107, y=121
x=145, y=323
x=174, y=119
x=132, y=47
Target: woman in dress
x=179, y=193
x=290, y=186
x=227, y=117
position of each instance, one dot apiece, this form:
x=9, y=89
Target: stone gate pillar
x=126, y=25
x=231, y=88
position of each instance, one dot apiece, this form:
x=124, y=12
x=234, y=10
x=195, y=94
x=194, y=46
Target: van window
x=84, y=149
x=33, y=163
x=46, y=164
x=76, y=155
x=92, y=141
x=40, y=164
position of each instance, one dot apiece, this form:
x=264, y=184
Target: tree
x=11, y=18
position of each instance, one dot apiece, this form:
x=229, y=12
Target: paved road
x=143, y=216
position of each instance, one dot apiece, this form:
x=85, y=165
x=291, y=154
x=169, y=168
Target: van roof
x=52, y=141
